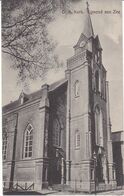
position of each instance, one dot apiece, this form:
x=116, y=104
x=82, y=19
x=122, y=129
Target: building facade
x=61, y=134
x=118, y=156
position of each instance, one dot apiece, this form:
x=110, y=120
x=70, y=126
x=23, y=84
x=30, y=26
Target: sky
x=66, y=30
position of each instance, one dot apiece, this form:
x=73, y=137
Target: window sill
x=76, y=96
x=27, y=158
x=4, y=160
x=77, y=148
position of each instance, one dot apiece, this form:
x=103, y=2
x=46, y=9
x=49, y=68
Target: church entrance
x=101, y=166
x=99, y=169
x=56, y=176
x=57, y=169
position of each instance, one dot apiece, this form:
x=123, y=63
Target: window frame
x=99, y=126
x=28, y=142
x=97, y=80
x=76, y=88
x=56, y=137
x=4, y=146
x=77, y=139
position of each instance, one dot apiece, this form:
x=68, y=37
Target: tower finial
x=87, y=6
x=88, y=29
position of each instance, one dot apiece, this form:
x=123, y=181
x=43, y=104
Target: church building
x=61, y=134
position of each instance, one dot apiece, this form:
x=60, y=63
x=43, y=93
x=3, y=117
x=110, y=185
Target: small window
x=99, y=57
x=77, y=139
x=96, y=57
x=92, y=174
x=28, y=141
x=76, y=89
x=4, y=146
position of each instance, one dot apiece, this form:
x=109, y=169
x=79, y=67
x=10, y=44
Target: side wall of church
x=25, y=170
x=25, y=167
x=9, y=129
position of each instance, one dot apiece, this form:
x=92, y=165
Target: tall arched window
x=28, y=141
x=77, y=139
x=4, y=146
x=56, y=133
x=97, y=112
x=76, y=88
x=97, y=80
x=101, y=129
x=98, y=126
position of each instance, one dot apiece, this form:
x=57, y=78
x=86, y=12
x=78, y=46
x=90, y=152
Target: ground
x=115, y=192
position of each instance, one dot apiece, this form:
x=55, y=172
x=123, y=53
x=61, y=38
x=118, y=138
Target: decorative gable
x=97, y=43
x=82, y=41
x=23, y=98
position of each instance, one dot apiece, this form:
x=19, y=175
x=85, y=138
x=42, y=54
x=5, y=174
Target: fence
x=18, y=186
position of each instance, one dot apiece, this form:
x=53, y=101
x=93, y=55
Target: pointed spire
x=88, y=28
x=87, y=6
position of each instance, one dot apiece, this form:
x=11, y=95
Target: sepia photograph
x=62, y=97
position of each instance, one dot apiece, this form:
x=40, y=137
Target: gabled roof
x=57, y=84
x=10, y=106
x=32, y=97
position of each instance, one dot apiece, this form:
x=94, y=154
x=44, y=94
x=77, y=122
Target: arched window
x=77, y=139
x=101, y=129
x=76, y=88
x=56, y=133
x=104, y=89
x=4, y=146
x=96, y=57
x=28, y=141
x=98, y=126
x=97, y=80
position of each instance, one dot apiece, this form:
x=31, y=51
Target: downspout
x=13, y=155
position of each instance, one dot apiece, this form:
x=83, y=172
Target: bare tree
x=25, y=36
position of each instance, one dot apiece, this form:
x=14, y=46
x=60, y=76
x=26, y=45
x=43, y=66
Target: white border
x=1, y=192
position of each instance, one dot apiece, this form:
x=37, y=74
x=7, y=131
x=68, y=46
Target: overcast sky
x=66, y=30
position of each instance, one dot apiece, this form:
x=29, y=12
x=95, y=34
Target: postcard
x=62, y=97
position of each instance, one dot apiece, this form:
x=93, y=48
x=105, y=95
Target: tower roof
x=88, y=28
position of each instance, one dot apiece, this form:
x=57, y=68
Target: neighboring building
x=118, y=156
x=61, y=134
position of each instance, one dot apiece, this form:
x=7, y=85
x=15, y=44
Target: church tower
x=89, y=161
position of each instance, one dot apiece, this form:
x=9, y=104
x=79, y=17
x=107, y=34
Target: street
x=115, y=192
